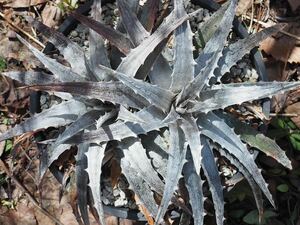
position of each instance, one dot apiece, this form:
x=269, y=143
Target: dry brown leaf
x=144, y=211
x=126, y=222
x=15, y=50
x=115, y=173
x=294, y=109
x=51, y=15
x=294, y=4
x=24, y=3
x=111, y=220
x=283, y=47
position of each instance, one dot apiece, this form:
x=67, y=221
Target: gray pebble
x=116, y=192
x=120, y=202
x=74, y=33
x=43, y=99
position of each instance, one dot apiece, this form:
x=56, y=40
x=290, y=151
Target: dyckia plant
x=160, y=121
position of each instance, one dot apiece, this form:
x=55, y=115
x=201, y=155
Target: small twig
x=267, y=25
x=252, y=16
x=284, y=114
x=29, y=195
x=22, y=31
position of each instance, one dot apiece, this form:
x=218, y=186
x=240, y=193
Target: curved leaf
x=257, y=140
x=137, y=56
x=194, y=184
x=115, y=92
x=60, y=72
x=97, y=50
x=240, y=48
x=135, y=153
x=120, y=130
x=183, y=68
x=54, y=117
x=209, y=57
x=155, y=95
x=156, y=146
x=95, y=156
x=80, y=124
x=134, y=28
x=82, y=181
x=212, y=175
x=117, y=38
x=192, y=135
x=176, y=160
x=223, y=95
x=138, y=185
x=149, y=14
x=255, y=188
x=208, y=28
x=218, y=131
x=71, y=51
x=31, y=77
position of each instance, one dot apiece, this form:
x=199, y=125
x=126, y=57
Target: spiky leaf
x=58, y=115
x=212, y=175
x=176, y=160
x=223, y=95
x=95, y=156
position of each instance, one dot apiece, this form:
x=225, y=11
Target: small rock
x=249, y=73
x=254, y=75
x=116, y=192
x=86, y=43
x=74, y=33
x=105, y=200
x=122, y=194
x=120, y=202
x=43, y=99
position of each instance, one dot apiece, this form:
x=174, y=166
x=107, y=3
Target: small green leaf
x=6, y=121
x=295, y=140
x=296, y=136
x=283, y=188
x=282, y=124
x=8, y=145
x=251, y=217
x=2, y=64
x=291, y=124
